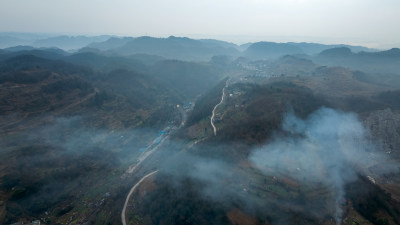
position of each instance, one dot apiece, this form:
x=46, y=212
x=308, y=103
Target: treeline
x=24, y=77
x=66, y=85
x=31, y=62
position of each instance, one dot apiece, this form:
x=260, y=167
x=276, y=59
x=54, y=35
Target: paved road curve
x=123, y=219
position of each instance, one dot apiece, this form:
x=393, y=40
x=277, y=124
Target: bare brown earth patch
x=147, y=186
x=238, y=217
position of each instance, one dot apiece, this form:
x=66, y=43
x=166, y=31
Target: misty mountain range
x=181, y=131
x=129, y=52
x=175, y=47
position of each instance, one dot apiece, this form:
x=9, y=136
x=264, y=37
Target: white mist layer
x=329, y=147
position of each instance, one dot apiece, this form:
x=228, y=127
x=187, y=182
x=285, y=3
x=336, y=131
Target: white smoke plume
x=329, y=147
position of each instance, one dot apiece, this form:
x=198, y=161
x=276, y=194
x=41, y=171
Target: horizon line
x=237, y=39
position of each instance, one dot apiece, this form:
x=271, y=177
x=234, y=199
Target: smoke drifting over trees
x=80, y=129
x=329, y=147
x=329, y=150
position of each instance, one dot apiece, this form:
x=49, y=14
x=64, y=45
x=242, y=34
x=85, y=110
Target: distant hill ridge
x=345, y=51
x=372, y=62
x=271, y=50
x=188, y=49
x=176, y=48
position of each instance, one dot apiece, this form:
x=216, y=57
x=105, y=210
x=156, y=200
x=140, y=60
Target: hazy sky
x=375, y=23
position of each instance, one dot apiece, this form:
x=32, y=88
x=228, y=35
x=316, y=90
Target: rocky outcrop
x=384, y=128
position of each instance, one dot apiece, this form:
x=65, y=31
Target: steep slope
x=188, y=78
x=104, y=63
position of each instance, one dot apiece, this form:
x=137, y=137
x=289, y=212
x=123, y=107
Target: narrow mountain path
x=216, y=106
x=123, y=218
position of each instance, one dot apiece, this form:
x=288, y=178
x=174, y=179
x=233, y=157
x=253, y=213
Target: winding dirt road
x=216, y=106
x=123, y=218
x=156, y=144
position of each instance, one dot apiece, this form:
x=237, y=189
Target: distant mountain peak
x=337, y=52
x=265, y=49
x=392, y=52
